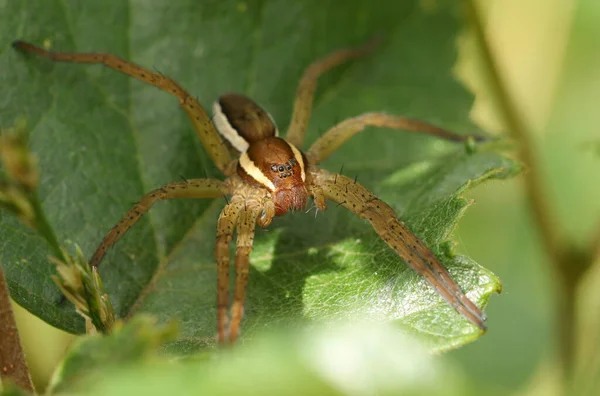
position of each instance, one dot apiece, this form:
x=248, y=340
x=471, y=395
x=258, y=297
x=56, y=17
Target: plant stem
x=12, y=359
x=44, y=227
x=568, y=263
x=595, y=245
x=546, y=222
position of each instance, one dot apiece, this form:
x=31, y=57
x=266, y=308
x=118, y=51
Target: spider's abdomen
x=241, y=121
x=278, y=166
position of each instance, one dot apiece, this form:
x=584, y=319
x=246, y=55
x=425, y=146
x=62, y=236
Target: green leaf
x=136, y=342
x=103, y=140
x=358, y=359
x=13, y=390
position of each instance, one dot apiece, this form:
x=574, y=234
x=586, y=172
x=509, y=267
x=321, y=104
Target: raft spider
x=271, y=175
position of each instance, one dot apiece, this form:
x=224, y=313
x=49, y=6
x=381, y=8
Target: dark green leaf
x=104, y=140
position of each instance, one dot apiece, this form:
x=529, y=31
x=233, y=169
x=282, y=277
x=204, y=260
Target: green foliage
x=357, y=359
x=13, y=390
x=103, y=140
x=135, y=343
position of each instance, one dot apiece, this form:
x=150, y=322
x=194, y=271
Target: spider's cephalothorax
x=278, y=166
x=273, y=176
x=266, y=160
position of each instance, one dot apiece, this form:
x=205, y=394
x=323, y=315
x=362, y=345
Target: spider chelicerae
x=267, y=176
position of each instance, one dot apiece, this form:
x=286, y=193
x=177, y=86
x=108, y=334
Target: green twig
x=516, y=126
x=44, y=228
x=19, y=182
x=567, y=262
x=595, y=246
x=18, y=194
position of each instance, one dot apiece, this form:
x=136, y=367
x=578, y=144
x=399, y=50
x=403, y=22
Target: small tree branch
x=516, y=126
x=568, y=263
x=595, y=245
x=12, y=359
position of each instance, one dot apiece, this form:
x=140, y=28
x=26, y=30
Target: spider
x=267, y=176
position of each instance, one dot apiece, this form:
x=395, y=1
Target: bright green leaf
x=356, y=360
x=103, y=140
x=138, y=341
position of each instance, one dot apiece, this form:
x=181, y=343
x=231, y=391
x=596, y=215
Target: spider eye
x=289, y=167
x=274, y=168
x=281, y=168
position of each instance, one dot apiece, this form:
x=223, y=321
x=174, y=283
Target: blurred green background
x=545, y=50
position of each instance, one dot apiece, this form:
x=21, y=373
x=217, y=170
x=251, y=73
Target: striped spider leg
x=356, y=198
x=366, y=205
x=212, y=142
x=248, y=206
x=362, y=202
x=193, y=188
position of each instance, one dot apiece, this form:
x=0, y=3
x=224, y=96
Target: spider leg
x=411, y=250
x=308, y=83
x=340, y=133
x=245, y=239
x=211, y=140
x=226, y=225
x=193, y=188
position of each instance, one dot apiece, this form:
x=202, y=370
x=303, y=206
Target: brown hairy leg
x=305, y=92
x=194, y=188
x=226, y=226
x=211, y=140
x=340, y=133
x=411, y=250
x=245, y=240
